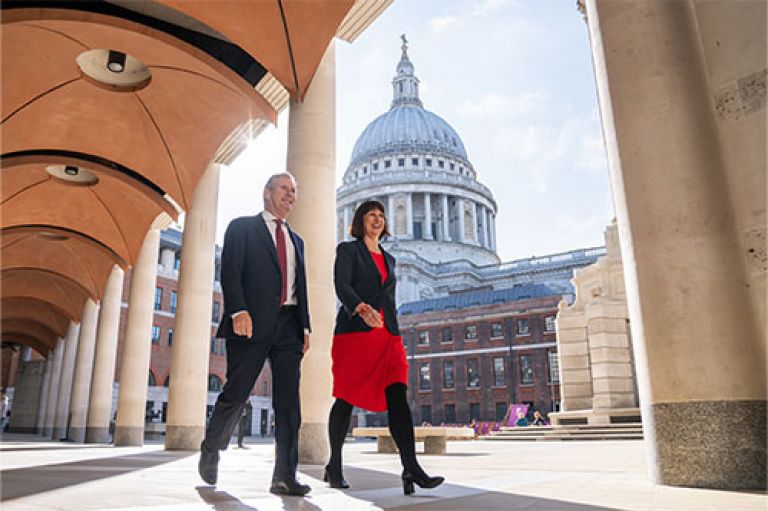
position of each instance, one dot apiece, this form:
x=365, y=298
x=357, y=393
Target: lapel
x=266, y=238
x=390, y=269
x=363, y=249
x=299, y=253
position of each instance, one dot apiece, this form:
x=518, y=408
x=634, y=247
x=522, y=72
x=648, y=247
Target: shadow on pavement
x=21, y=482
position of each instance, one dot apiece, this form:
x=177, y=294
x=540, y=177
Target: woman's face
x=374, y=223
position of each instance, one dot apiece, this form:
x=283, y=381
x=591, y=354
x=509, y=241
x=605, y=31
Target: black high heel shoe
x=334, y=481
x=423, y=480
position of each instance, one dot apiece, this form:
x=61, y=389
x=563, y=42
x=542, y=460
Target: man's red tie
x=282, y=259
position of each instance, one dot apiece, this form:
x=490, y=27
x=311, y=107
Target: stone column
x=134, y=367
x=312, y=159
x=29, y=379
x=81, y=382
x=45, y=390
x=409, y=215
x=462, y=227
x=428, y=217
x=482, y=222
x=347, y=221
x=473, y=214
x=493, y=231
x=53, y=388
x=185, y=426
x=100, y=403
x=391, y=214
x=446, y=219
x=61, y=420
x=700, y=359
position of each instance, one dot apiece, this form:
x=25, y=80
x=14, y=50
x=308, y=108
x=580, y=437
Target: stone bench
x=435, y=438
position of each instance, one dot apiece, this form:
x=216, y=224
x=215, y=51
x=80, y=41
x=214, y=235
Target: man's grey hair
x=274, y=177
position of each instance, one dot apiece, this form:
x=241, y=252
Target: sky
x=514, y=79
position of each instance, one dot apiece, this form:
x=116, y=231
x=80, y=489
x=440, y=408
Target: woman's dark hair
x=356, y=229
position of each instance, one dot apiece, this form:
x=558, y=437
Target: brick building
x=473, y=353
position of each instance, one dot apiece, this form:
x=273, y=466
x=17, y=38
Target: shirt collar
x=269, y=217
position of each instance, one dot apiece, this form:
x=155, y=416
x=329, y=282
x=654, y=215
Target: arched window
x=214, y=383
x=151, y=380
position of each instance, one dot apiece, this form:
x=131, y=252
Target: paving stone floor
x=549, y=476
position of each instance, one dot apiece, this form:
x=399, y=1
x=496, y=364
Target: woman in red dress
x=370, y=370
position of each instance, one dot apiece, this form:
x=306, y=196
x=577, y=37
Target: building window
x=447, y=335
x=473, y=373
x=428, y=162
x=497, y=330
x=414, y=161
x=214, y=383
x=549, y=324
x=213, y=345
x=470, y=333
x=151, y=379
x=526, y=370
x=216, y=312
x=450, y=413
x=387, y=164
x=223, y=347
x=441, y=164
x=501, y=411
x=365, y=169
x=155, y=334
x=522, y=327
x=158, y=298
x=554, y=367
x=424, y=383
x=498, y=371
x=177, y=262
x=401, y=162
x=452, y=166
x=474, y=411
x=375, y=166
x=424, y=337
x=174, y=298
x=170, y=337
x=426, y=414
x=448, y=382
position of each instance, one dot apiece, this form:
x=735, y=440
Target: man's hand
x=306, y=343
x=242, y=324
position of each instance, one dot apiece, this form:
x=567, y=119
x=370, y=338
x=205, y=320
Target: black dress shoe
x=334, y=480
x=208, y=466
x=289, y=487
x=423, y=480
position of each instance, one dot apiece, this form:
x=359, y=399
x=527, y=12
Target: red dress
x=365, y=363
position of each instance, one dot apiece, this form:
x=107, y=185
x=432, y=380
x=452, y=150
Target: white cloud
x=487, y=7
x=443, y=23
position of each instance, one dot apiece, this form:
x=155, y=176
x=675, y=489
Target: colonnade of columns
x=478, y=229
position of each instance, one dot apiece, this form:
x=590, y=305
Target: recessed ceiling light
x=116, y=61
x=70, y=170
x=72, y=174
x=113, y=69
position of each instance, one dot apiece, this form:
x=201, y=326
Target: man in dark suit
x=266, y=315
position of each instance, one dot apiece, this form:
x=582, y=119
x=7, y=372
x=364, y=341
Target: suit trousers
x=245, y=359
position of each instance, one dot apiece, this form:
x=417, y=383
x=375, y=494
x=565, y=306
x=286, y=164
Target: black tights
x=400, y=425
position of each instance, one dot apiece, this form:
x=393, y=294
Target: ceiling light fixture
x=116, y=61
x=70, y=170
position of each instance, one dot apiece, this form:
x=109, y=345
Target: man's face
x=280, y=198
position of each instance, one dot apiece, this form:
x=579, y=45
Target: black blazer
x=251, y=280
x=358, y=280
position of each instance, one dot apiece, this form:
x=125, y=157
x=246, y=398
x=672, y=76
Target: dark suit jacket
x=358, y=280
x=251, y=280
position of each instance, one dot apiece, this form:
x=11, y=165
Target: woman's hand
x=370, y=315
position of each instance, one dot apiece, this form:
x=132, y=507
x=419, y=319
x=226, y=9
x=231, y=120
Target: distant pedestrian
x=521, y=420
x=3, y=409
x=538, y=420
x=242, y=425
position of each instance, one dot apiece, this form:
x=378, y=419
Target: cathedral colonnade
x=113, y=198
